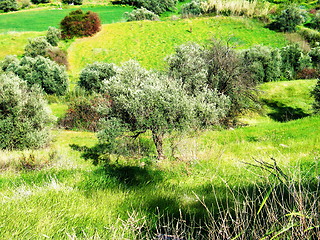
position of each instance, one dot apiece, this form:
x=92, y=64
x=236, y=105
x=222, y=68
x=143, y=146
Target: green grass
x=13, y=43
x=70, y=198
x=40, y=20
x=150, y=42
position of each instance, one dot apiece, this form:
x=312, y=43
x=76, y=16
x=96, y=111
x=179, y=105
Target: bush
x=310, y=35
x=59, y=56
x=24, y=4
x=307, y=73
x=80, y=24
x=51, y=77
x=93, y=75
x=314, y=54
x=192, y=8
x=155, y=6
x=40, y=1
x=24, y=117
x=289, y=19
x=53, y=36
x=8, y=5
x=141, y=14
x=264, y=63
x=83, y=113
x=316, y=94
x=38, y=46
x=290, y=56
x=72, y=2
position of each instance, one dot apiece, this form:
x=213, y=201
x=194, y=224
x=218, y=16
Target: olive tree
x=47, y=74
x=24, y=115
x=142, y=100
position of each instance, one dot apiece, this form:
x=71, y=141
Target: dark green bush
x=191, y=8
x=72, y=2
x=80, y=24
x=289, y=19
x=264, y=63
x=310, y=35
x=93, y=75
x=40, y=1
x=141, y=14
x=314, y=54
x=155, y=6
x=24, y=115
x=290, y=56
x=51, y=77
x=316, y=94
x=8, y=5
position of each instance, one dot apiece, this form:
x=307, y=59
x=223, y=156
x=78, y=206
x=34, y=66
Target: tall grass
x=237, y=7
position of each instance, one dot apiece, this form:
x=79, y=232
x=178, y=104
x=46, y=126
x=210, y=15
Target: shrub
x=155, y=6
x=24, y=117
x=314, y=54
x=315, y=22
x=83, y=113
x=8, y=5
x=38, y=46
x=263, y=62
x=59, y=56
x=141, y=14
x=307, y=73
x=290, y=56
x=80, y=24
x=40, y=1
x=310, y=35
x=51, y=77
x=217, y=67
x=72, y=2
x=289, y=19
x=316, y=94
x=24, y=4
x=192, y=8
x=53, y=36
x=93, y=75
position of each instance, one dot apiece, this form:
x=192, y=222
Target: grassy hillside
x=41, y=19
x=13, y=43
x=151, y=42
x=66, y=197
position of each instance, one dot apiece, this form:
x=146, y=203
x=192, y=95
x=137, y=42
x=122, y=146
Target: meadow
x=58, y=195
x=120, y=42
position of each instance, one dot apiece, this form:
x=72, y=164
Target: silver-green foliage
x=93, y=75
x=53, y=36
x=38, y=46
x=191, y=8
x=24, y=115
x=141, y=14
x=143, y=100
x=50, y=76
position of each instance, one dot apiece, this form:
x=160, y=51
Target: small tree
x=53, y=36
x=289, y=19
x=47, y=74
x=143, y=100
x=24, y=115
x=80, y=24
x=93, y=75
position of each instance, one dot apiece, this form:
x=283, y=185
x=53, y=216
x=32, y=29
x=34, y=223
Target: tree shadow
x=283, y=113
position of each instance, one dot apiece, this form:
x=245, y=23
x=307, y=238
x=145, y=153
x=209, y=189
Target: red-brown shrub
x=80, y=24
x=307, y=73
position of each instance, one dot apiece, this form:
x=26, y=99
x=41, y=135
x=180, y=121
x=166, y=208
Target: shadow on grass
x=284, y=113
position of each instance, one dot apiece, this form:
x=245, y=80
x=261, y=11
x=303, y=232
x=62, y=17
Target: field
x=141, y=41
x=67, y=197
x=33, y=20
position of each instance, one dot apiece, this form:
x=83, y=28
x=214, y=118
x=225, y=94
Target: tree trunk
x=158, y=141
